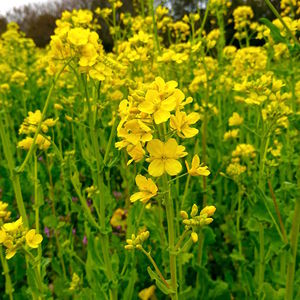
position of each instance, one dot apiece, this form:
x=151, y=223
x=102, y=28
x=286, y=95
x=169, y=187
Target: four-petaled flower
x=147, y=187
x=163, y=157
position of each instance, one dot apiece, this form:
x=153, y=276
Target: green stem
x=261, y=271
x=294, y=245
x=171, y=235
x=151, y=8
x=155, y=266
x=14, y=177
x=238, y=220
x=8, y=284
x=104, y=241
x=186, y=188
x=22, y=167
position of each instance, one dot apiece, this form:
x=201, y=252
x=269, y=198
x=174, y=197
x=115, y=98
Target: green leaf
x=159, y=283
x=275, y=31
x=219, y=291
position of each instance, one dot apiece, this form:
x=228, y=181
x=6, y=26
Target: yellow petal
x=173, y=167
x=161, y=116
x=170, y=148
x=156, y=168
x=141, y=182
x=155, y=148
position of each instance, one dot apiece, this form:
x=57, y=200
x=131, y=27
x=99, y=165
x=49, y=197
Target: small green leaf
x=275, y=31
x=159, y=283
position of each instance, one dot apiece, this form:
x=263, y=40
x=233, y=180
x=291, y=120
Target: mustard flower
x=181, y=123
x=197, y=169
x=147, y=187
x=33, y=239
x=163, y=157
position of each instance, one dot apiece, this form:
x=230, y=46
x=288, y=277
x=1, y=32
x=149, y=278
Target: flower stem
x=13, y=176
x=171, y=236
x=294, y=245
x=8, y=284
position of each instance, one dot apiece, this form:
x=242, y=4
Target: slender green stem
x=186, y=188
x=151, y=8
x=14, y=177
x=8, y=284
x=278, y=16
x=155, y=266
x=171, y=235
x=238, y=217
x=29, y=153
x=104, y=241
x=261, y=271
x=294, y=245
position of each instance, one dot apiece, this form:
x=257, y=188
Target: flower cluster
x=29, y=127
x=136, y=241
x=195, y=221
x=14, y=236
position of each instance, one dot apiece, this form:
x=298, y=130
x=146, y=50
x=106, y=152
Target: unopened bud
x=194, y=237
x=184, y=214
x=128, y=247
x=209, y=210
x=138, y=246
x=194, y=210
x=208, y=220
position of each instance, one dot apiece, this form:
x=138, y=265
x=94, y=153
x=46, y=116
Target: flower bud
x=209, y=210
x=208, y=220
x=194, y=237
x=194, y=210
x=128, y=247
x=184, y=214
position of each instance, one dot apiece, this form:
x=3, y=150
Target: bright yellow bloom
x=14, y=226
x=235, y=120
x=78, y=36
x=160, y=108
x=32, y=239
x=147, y=187
x=163, y=157
x=181, y=123
x=196, y=169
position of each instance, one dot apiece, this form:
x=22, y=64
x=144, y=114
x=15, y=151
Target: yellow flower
x=181, y=123
x=196, y=169
x=32, y=239
x=3, y=236
x=10, y=252
x=160, y=108
x=147, y=187
x=163, y=157
x=147, y=293
x=14, y=226
x=235, y=120
x=78, y=36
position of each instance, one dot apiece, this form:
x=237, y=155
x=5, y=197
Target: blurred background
x=37, y=18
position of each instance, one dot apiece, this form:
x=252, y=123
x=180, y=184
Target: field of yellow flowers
x=168, y=168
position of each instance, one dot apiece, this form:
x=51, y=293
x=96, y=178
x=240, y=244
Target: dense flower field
x=167, y=168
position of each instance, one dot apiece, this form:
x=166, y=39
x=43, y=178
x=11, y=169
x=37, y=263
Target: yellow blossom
x=147, y=187
x=235, y=120
x=32, y=239
x=196, y=169
x=163, y=157
x=181, y=123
